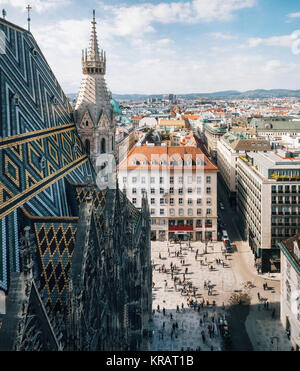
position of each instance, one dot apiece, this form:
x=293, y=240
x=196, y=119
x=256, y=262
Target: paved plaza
x=220, y=279
x=184, y=331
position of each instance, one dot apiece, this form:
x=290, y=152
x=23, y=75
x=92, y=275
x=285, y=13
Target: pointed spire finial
x=28, y=18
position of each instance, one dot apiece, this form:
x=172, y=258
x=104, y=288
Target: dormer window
x=16, y=99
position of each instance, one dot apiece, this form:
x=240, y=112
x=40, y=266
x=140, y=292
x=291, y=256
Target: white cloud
x=37, y=5
x=294, y=15
x=139, y=19
x=283, y=41
x=222, y=36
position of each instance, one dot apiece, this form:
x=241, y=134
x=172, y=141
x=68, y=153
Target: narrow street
x=259, y=324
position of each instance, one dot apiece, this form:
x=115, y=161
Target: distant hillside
x=228, y=94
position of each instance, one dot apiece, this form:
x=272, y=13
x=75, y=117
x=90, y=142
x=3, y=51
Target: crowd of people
x=211, y=324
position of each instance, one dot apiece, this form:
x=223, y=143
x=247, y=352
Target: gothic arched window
x=103, y=146
x=87, y=147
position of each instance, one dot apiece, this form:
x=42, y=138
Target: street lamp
x=206, y=239
x=277, y=341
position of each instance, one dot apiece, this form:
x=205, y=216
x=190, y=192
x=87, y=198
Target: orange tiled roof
x=143, y=155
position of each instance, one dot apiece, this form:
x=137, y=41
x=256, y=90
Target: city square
x=226, y=281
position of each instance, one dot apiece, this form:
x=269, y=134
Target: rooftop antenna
x=3, y=13
x=28, y=19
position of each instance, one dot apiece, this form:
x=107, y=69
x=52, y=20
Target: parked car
x=225, y=234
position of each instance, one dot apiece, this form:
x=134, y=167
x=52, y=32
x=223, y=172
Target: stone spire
x=93, y=49
x=93, y=61
x=94, y=113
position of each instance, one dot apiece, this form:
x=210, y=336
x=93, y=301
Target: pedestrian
x=267, y=304
x=258, y=295
x=203, y=336
x=164, y=311
x=159, y=256
x=273, y=313
x=158, y=307
x=171, y=316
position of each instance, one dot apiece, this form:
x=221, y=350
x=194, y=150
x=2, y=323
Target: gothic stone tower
x=94, y=113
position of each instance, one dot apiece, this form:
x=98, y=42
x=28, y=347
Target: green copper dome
x=116, y=107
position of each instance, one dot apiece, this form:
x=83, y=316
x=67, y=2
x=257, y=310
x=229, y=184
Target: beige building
x=290, y=288
x=229, y=148
x=212, y=134
x=268, y=199
x=181, y=188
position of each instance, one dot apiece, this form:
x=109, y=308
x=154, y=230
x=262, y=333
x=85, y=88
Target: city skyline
x=171, y=46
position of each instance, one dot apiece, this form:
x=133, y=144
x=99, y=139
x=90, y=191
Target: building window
x=208, y=211
x=190, y=201
x=161, y=191
x=152, y=191
x=190, y=179
x=199, y=191
x=134, y=201
x=171, y=190
x=198, y=201
x=171, y=201
x=152, y=201
x=208, y=201
x=180, y=201
x=171, y=179
x=124, y=179
x=133, y=190
x=190, y=212
x=180, y=191
x=134, y=179
x=143, y=180
x=198, y=179
x=152, y=179
x=199, y=223
x=198, y=211
x=180, y=211
x=161, y=179
x=208, y=190
x=161, y=201
x=162, y=211
x=171, y=211
x=180, y=179
x=153, y=221
x=208, y=179
x=152, y=211
x=190, y=190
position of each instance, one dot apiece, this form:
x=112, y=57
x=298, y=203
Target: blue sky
x=171, y=46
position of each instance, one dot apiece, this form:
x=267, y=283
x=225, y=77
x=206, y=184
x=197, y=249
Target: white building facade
x=268, y=202
x=181, y=188
x=290, y=288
